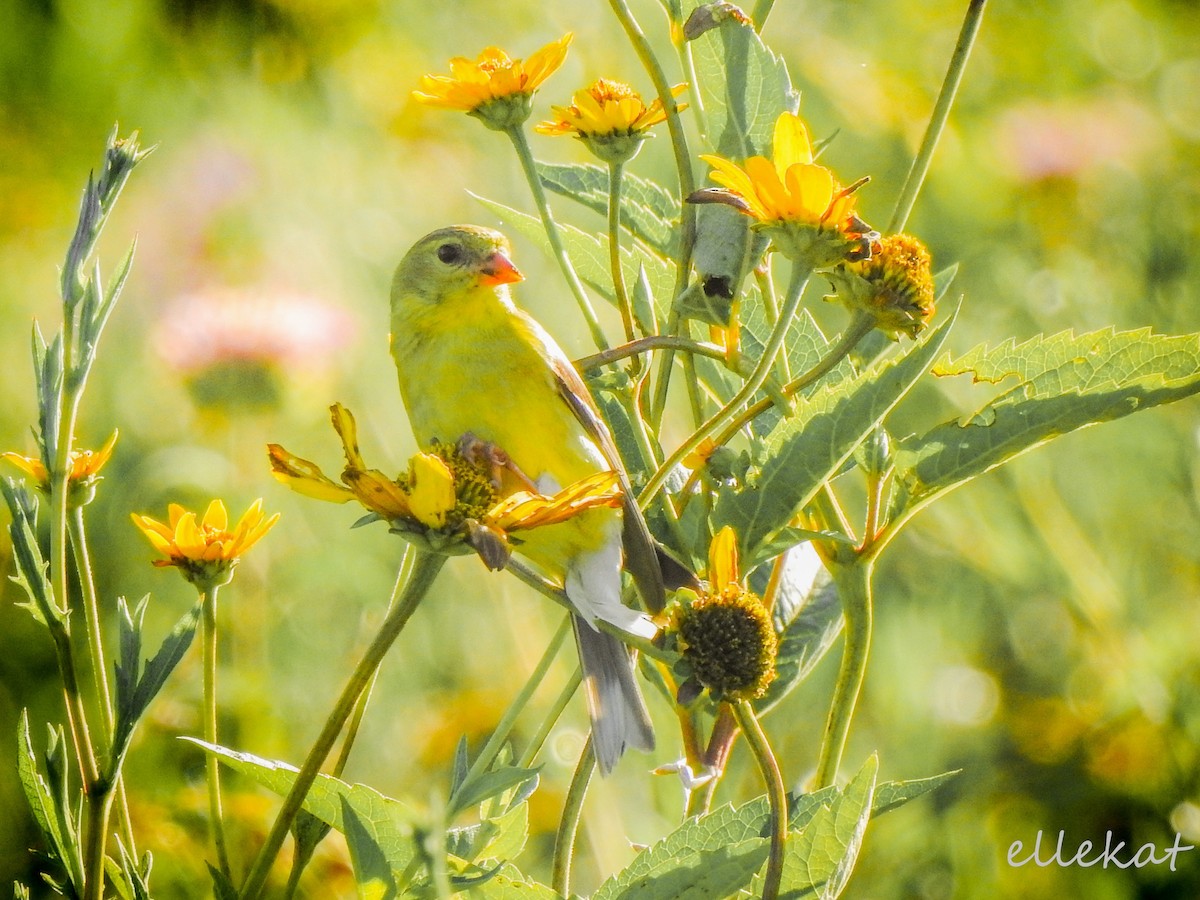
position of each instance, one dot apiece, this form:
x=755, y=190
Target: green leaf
x=223, y=888
x=52, y=818
x=805, y=450
x=744, y=87
x=389, y=822
x=647, y=210
x=372, y=872
x=27, y=553
x=808, y=620
x=589, y=255
x=510, y=884
x=136, y=688
x=894, y=794
x=490, y=784
x=823, y=854
x=1066, y=382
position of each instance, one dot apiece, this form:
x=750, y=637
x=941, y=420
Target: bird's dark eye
x=449, y=253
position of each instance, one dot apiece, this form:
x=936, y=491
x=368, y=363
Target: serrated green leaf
x=1068, y=382
x=507, y=836
x=894, y=794
x=808, y=620
x=372, y=872
x=31, y=568
x=805, y=450
x=510, y=884
x=648, y=211
x=388, y=821
x=744, y=87
x=822, y=856
x=589, y=255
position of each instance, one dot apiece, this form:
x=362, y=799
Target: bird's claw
x=477, y=451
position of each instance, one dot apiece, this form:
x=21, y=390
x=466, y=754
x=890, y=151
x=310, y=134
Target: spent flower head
x=207, y=550
x=800, y=204
x=610, y=118
x=493, y=87
x=723, y=631
x=447, y=500
x=82, y=475
x=894, y=286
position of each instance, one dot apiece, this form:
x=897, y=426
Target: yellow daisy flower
x=444, y=500
x=205, y=551
x=894, y=285
x=83, y=474
x=494, y=87
x=792, y=196
x=610, y=117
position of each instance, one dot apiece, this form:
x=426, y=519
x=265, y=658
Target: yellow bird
x=471, y=363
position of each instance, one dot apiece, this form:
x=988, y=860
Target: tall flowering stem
x=941, y=113
x=799, y=278
x=854, y=588
x=425, y=568
x=216, y=822
x=776, y=794
x=521, y=144
x=615, y=169
x=568, y=826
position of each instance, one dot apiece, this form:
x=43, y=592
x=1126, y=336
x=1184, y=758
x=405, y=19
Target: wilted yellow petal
x=525, y=509
x=431, y=489
x=723, y=560
x=305, y=477
x=378, y=493
x=344, y=425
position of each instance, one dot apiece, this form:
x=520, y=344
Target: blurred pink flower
x=224, y=325
x=1066, y=139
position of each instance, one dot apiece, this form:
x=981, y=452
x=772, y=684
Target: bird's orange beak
x=499, y=270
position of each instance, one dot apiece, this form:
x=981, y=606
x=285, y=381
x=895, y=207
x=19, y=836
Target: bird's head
x=452, y=261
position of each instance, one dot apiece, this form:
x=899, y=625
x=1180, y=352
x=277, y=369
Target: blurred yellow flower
x=789, y=187
x=607, y=107
x=207, y=550
x=494, y=87
x=444, y=498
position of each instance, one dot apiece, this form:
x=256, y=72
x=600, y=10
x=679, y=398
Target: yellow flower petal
x=344, y=425
x=723, y=560
x=215, y=517
x=378, y=493
x=305, y=477
x=31, y=466
x=525, y=509
x=431, y=489
x=189, y=538
x=790, y=144
x=813, y=187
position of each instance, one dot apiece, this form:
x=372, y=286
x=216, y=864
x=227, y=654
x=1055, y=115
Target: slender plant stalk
x=854, y=584
x=776, y=794
x=716, y=755
x=941, y=113
x=491, y=748
x=208, y=635
x=521, y=144
x=615, y=170
x=551, y=718
x=756, y=380
x=568, y=826
x=426, y=566
x=762, y=9
x=687, y=186
x=644, y=344
x=98, y=808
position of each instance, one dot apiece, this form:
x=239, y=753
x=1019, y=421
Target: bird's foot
x=476, y=451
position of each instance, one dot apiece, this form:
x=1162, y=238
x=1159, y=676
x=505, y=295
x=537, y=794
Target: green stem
x=529, y=166
x=99, y=807
x=854, y=586
x=762, y=9
x=91, y=611
x=776, y=794
x=941, y=113
x=687, y=186
x=208, y=634
x=756, y=380
x=504, y=727
x=426, y=566
x=614, y=251
x=568, y=826
x=551, y=718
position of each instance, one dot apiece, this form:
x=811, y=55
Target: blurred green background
x=1038, y=629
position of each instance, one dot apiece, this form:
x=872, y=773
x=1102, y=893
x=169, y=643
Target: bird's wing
x=641, y=550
